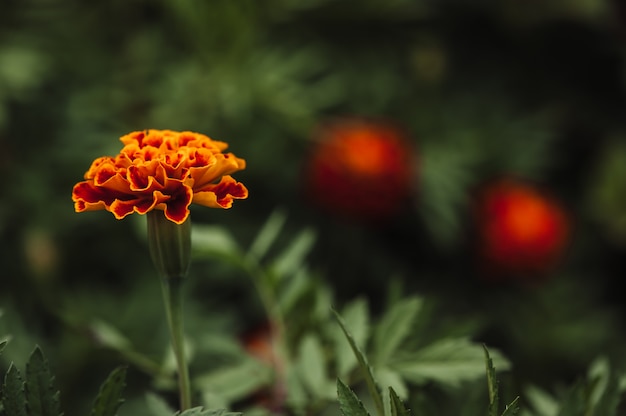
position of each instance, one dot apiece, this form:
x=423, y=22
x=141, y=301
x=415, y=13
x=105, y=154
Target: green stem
x=172, y=295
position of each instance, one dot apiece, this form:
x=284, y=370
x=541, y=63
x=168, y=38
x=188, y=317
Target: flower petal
x=177, y=207
x=221, y=195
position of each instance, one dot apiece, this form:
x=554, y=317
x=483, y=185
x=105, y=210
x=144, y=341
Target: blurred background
x=470, y=152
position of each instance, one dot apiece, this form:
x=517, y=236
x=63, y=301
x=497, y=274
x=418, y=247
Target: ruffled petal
x=209, y=173
x=87, y=197
x=221, y=195
x=177, y=207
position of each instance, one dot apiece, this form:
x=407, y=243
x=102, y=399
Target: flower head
x=522, y=230
x=164, y=170
x=361, y=169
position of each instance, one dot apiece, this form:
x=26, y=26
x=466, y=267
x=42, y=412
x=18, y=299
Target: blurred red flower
x=164, y=170
x=360, y=169
x=521, y=229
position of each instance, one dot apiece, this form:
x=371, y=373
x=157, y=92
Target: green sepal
x=349, y=403
x=42, y=398
x=170, y=245
x=109, y=397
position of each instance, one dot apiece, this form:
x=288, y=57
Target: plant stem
x=172, y=295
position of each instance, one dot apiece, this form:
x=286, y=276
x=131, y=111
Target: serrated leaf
x=394, y=327
x=448, y=361
x=364, y=366
x=512, y=408
x=356, y=317
x=397, y=407
x=109, y=398
x=349, y=403
x=41, y=396
x=492, y=384
x=266, y=237
x=13, y=395
x=291, y=259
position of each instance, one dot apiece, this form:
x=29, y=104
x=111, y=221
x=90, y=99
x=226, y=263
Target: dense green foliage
x=483, y=89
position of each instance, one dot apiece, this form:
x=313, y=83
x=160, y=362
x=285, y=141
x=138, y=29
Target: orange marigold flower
x=164, y=170
x=361, y=169
x=522, y=229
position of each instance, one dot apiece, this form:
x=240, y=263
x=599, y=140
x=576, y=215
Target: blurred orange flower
x=164, y=170
x=522, y=230
x=361, y=168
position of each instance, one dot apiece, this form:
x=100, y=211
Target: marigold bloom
x=522, y=230
x=361, y=169
x=164, y=170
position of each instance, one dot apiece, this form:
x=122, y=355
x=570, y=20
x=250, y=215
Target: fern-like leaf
x=42, y=399
x=13, y=396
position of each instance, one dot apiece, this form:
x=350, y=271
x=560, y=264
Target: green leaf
x=13, y=395
x=542, y=403
x=575, y=401
x=157, y=405
x=387, y=377
x=312, y=367
x=200, y=411
x=356, y=317
x=236, y=381
x=349, y=403
x=397, y=407
x=448, y=361
x=41, y=396
x=109, y=398
x=266, y=237
x=291, y=259
x=608, y=401
x=512, y=408
x=214, y=240
x=394, y=327
x=2, y=345
x=492, y=384
x=364, y=366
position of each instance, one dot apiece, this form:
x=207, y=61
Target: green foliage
x=109, y=398
x=36, y=395
x=493, y=388
x=13, y=394
x=199, y=411
x=597, y=394
x=365, y=368
x=397, y=407
x=349, y=403
x=42, y=398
